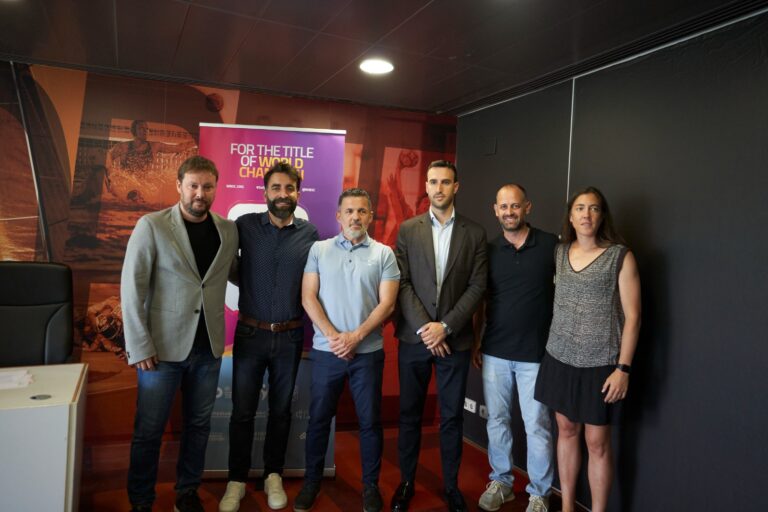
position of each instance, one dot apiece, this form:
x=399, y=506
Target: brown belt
x=271, y=326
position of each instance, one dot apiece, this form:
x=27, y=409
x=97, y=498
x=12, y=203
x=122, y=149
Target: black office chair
x=35, y=313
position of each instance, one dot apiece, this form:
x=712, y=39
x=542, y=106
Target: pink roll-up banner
x=243, y=154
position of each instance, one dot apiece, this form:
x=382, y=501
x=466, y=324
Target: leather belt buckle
x=274, y=327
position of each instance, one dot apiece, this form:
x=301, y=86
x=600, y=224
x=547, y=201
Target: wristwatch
x=448, y=330
x=624, y=367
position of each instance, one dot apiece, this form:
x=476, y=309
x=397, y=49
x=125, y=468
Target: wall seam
x=570, y=140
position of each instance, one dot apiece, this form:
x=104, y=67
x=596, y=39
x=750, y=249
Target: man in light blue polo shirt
x=349, y=289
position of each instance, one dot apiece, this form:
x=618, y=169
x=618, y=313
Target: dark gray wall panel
x=525, y=141
x=677, y=142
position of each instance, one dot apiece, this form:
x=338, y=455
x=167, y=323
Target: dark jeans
x=255, y=352
x=198, y=378
x=415, y=369
x=365, y=373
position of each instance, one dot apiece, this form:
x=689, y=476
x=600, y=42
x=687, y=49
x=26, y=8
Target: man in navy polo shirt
x=349, y=289
x=270, y=332
x=518, y=313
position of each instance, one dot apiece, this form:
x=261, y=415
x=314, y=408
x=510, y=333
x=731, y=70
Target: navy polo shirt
x=519, y=297
x=272, y=263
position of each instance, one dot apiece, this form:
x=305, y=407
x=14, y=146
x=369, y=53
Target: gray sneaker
x=496, y=494
x=538, y=504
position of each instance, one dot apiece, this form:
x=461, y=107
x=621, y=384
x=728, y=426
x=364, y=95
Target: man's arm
x=234, y=271
x=410, y=305
x=345, y=344
x=135, y=283
x=310, y=287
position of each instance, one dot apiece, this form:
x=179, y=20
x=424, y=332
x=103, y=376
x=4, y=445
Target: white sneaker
x=273, y=487
x=230, y=502
x=538, y=504
x=496, y=494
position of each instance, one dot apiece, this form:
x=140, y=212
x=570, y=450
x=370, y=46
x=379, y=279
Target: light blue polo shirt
x=350, y=276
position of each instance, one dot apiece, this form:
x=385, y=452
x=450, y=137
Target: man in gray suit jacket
x=172, y=292
x=443, y=269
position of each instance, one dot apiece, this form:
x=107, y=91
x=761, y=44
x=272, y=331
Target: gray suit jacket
x=162, y=292
x=464, y=279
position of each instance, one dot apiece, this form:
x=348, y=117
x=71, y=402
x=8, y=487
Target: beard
x=510, y=228
x=197, y=208
x=355, y=232
x=281, y=208
x=441, y=204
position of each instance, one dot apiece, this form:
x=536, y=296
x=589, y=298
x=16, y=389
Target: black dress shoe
x=402, y=496
x=455, y=500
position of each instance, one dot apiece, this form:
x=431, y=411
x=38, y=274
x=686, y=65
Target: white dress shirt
x=441, y=241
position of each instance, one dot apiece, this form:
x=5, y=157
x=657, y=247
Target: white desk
x=41, y=440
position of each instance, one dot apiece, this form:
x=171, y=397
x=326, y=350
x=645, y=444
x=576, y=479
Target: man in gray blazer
x=172, y=292
x=443, y=270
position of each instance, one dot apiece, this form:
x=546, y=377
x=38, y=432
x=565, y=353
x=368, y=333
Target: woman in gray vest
x=585, y=373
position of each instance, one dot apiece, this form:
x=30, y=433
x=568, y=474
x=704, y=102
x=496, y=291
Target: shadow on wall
x=652, y=357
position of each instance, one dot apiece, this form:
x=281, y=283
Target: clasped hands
x=344, y=344
x=433, y=335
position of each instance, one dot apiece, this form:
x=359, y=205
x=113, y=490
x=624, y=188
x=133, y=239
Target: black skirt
x=575, y=392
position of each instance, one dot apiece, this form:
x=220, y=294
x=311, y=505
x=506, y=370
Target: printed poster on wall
x=243, y=154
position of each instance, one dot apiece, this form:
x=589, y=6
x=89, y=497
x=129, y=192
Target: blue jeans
x=499, y=379
x=414, y=364
x=329, y=373
x=197, y=377
x=255, y=352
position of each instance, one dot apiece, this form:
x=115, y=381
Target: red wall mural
x=105, y=151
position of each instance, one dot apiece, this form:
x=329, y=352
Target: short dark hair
x=283, y=168
x=445, y=163
x=605, y=233
x=355, y=192
x=515, y=185
x=135, y=124
x=197, y=163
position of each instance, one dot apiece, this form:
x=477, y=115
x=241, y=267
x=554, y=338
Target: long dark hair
x=605, y=232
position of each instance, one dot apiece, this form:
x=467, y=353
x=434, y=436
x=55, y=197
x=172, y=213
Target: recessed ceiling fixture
x=376, y=66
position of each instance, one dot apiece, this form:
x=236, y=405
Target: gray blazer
x=464, y=279
x=161, y=291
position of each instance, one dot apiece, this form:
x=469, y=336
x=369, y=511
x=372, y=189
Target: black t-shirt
x=519, y=297
x=205, y=241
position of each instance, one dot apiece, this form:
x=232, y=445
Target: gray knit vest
x=587, y=319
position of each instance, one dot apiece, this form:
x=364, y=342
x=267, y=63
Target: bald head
x=511, y=187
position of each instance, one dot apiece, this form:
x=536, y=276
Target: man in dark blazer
x=443, y=267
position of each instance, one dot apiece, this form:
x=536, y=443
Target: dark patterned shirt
x=272, y=266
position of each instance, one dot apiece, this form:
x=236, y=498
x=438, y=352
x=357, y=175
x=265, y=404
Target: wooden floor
x=105, y=468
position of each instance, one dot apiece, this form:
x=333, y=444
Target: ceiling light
x=376, y=66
